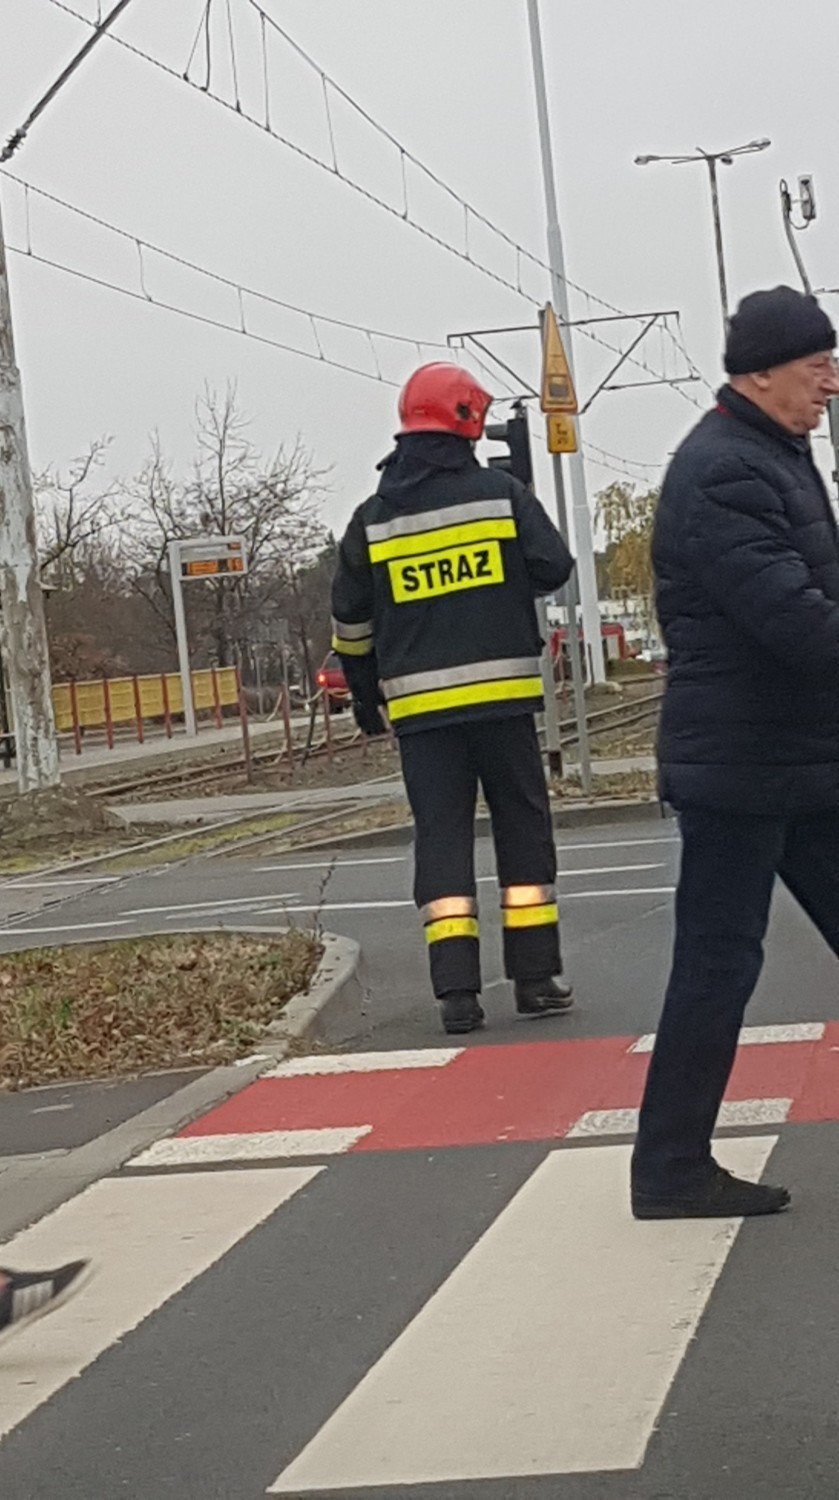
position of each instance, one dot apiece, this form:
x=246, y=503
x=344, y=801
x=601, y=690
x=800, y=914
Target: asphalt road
x=443, y=1322
x=615, y=890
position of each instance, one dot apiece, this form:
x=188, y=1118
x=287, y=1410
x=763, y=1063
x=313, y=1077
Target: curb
x=333, y=1011
x=584, y=815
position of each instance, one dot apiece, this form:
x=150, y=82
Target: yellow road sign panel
x=562, y=433
x=558, y=392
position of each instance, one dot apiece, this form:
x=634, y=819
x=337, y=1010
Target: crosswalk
x=361, y=1326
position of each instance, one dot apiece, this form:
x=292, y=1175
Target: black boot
x=462, y=1012
x=543, y=997
x=717, y=1195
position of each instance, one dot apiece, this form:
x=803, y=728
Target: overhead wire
x=404, y=215
x=142, y=292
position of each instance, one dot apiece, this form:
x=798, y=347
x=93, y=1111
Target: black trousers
x=729, y=864
x=443, y=769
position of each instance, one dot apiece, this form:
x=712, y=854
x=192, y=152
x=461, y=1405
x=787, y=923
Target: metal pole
x=572, y=601
x=583, y=531
x=550, y=717
x=786, y=209
x=715, y=205
x=180, y=632
x=23, y=631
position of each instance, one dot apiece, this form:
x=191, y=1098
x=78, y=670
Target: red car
x=331, y=678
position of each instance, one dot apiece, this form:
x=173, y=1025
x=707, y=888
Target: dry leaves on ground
x=136, y=1006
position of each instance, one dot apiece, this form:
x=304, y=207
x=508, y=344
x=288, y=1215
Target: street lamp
x=710, y=159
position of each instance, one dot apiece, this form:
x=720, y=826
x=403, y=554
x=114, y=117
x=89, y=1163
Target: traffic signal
x=516, y=434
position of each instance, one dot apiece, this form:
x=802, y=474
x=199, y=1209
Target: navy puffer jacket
x=746, y=559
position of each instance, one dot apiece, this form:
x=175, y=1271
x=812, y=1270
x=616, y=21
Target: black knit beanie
x=773, y=327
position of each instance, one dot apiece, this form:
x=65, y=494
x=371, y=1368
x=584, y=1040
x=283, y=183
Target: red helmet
x=443, y=398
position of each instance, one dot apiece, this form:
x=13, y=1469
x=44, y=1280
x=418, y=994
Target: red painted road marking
x=524, y=1092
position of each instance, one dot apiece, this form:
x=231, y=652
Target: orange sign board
x=209, y=567
x=562, y=432
x=557, y=392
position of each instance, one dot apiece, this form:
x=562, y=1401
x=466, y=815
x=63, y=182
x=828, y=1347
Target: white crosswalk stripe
x=148, y=1238
x=542, y=1340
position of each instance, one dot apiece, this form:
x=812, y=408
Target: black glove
x=368, y=717
x=362, y=674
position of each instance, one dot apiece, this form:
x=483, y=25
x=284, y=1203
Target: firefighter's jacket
x=435, y=587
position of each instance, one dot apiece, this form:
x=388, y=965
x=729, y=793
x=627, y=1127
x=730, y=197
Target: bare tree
x=72, y=514
x=273, y=503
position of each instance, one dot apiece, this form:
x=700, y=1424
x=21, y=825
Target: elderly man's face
x=796, y=394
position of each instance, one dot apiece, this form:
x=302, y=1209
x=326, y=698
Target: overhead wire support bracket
x=22, y=131
x=649, y=319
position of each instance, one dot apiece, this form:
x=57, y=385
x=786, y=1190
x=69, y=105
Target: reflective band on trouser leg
x=530, y=917
x=451, y=931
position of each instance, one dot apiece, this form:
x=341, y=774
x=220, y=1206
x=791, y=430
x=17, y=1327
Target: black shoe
x=543, y=997
x=462, y=1012
x=718, y=1196
x=27, y=1295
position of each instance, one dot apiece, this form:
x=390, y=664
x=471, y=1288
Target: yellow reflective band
x=435, y=573
x=443, y=536
x=464, y=697
x=352, y=648
x=530, y=916
x=451, y=927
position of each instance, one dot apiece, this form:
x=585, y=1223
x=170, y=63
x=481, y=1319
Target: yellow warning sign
x=558, y=392
x=562, y=432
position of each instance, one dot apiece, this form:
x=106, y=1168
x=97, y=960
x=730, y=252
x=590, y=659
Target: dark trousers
x=729, y=864
x=443, y=769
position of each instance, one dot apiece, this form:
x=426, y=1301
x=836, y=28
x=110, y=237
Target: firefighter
x=434, y=616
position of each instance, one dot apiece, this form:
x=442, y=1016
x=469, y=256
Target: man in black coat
x=746, y=558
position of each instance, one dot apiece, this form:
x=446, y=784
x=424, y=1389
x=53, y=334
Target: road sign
x=562, y=432
x=208, y=557
x=199, y=557
x=558, y=392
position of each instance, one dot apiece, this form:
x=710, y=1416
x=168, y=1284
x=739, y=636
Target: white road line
x=733, y=1112
x=563, y=1359
x=586, y=870
x=403, y=859
x=66, y=927
x=633, y=890
x=616, y=843
x=365, y=1062
x=326, y=864
x=31, y=884
x=255, y=1145
x=153, y=911
x=755, y=1036
x=656, y=890
x=148, y=1237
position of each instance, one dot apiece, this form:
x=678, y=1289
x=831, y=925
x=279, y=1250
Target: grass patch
x=144, y=1004
x=201, y=843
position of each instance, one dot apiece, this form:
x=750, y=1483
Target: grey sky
x=451, y=79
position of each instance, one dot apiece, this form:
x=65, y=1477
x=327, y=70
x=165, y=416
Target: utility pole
x=23, y=629
x=711, y=158
x=581, y=513
x=572, y=600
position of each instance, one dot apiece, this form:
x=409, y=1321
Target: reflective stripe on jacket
x=438, y=574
